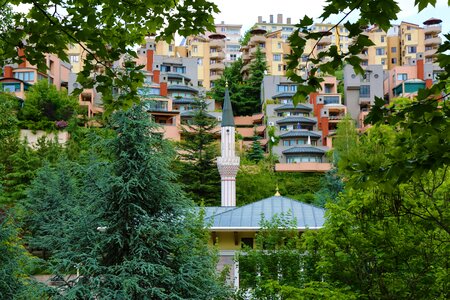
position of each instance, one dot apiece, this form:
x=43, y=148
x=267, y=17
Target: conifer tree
x=256, y=152
x=132, y=232
x=197, y=157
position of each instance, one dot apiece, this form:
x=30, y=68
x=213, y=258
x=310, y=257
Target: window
x=199, y=61
x=233, y=57
x=331, y=100
x=328, y=88
x=393, y=60
x=408, y=37
x=379, y=51
x=383, y=61
x=247, y=242
x=194, y=49
x=11, y=87
x=25, y=76
x=382, y=38
x=286, y=88
x=279, y=45
x=233, y=48
x=277, y=57
x=394, y=49
x=412, y=49
x=364, y=91
x=170, y=48
x=179, y=69
x=287, y=28
x=280, y=67
x=402, y=76
x=165, y=68
x=74, y=58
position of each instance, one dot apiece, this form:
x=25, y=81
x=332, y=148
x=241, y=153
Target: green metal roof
x=249, y=217
x=306, y=149
x=299, y=133
x=292, y=107
x=227, y=111
x=296, y=120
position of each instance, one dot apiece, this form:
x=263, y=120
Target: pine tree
x=256, y=152
x=197, y=158
x=131, y=232
x=252, y=90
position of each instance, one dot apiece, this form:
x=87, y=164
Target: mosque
x=233, y=226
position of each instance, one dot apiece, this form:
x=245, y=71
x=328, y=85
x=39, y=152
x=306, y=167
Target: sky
x=246, y=12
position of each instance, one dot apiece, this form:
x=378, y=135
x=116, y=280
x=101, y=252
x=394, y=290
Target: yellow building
x=232, y=227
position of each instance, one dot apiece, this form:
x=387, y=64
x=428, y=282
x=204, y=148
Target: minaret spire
x=228, y=162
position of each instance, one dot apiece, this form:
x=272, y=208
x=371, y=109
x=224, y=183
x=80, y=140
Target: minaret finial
x=277, y=191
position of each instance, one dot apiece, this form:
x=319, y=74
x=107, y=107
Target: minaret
x=228, y=162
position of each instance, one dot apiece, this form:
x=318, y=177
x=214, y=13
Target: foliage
x=258, y=181
x=196, y=162
x=279, y=267
x=246, y=37
x=344, y=142
x=256, y=152
x=14, y=280
x=330, y=186
x=369, y=12
x=245, y=94
x=104, y=33
x=45, y=106
x=139, y=239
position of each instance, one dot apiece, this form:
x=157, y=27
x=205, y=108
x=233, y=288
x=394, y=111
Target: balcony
x=434, y=29
x=430, y=52
x=245, y=56
x=256, y=39
x=219, y=55
x=214, y=77
x=216, y=43
x=217, y=66
x=253, y=50
x=433, y=41
x=245, y=68
x=326, y=40
x=303, y=167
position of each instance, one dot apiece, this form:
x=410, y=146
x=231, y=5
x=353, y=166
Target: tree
x=45, y=106
x=256, y=152
x=196, y=161
x=14, y=261
x=140, y=238
x=106, y=30
x=280, y=268
x=252, y=91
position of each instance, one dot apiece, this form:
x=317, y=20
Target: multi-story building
x=232, y=34
x=17, y=78
x=271, y=45
x=285, y=29
x=360, y=90
x=303, y=130
x=400, y=44
x=406, y=80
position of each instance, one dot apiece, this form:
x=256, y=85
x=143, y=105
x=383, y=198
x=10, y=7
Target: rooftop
x=249, y=217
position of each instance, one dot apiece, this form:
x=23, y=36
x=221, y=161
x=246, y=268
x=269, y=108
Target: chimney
x=156, y=76
x=419, y=66
x=8, y=72
x=288, y=21
x=149, y=60
x=271, y=19
x=23, y=64
x=163, y=88
x=259, y=19
x=280, y=18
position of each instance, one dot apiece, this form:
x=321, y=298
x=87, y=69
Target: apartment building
x=232, y=33
x=406, y=80
x=360, y=90
x=272, y=45
x=303, y=130
x=272, y=25
x=18, y=78
x=400, y=44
